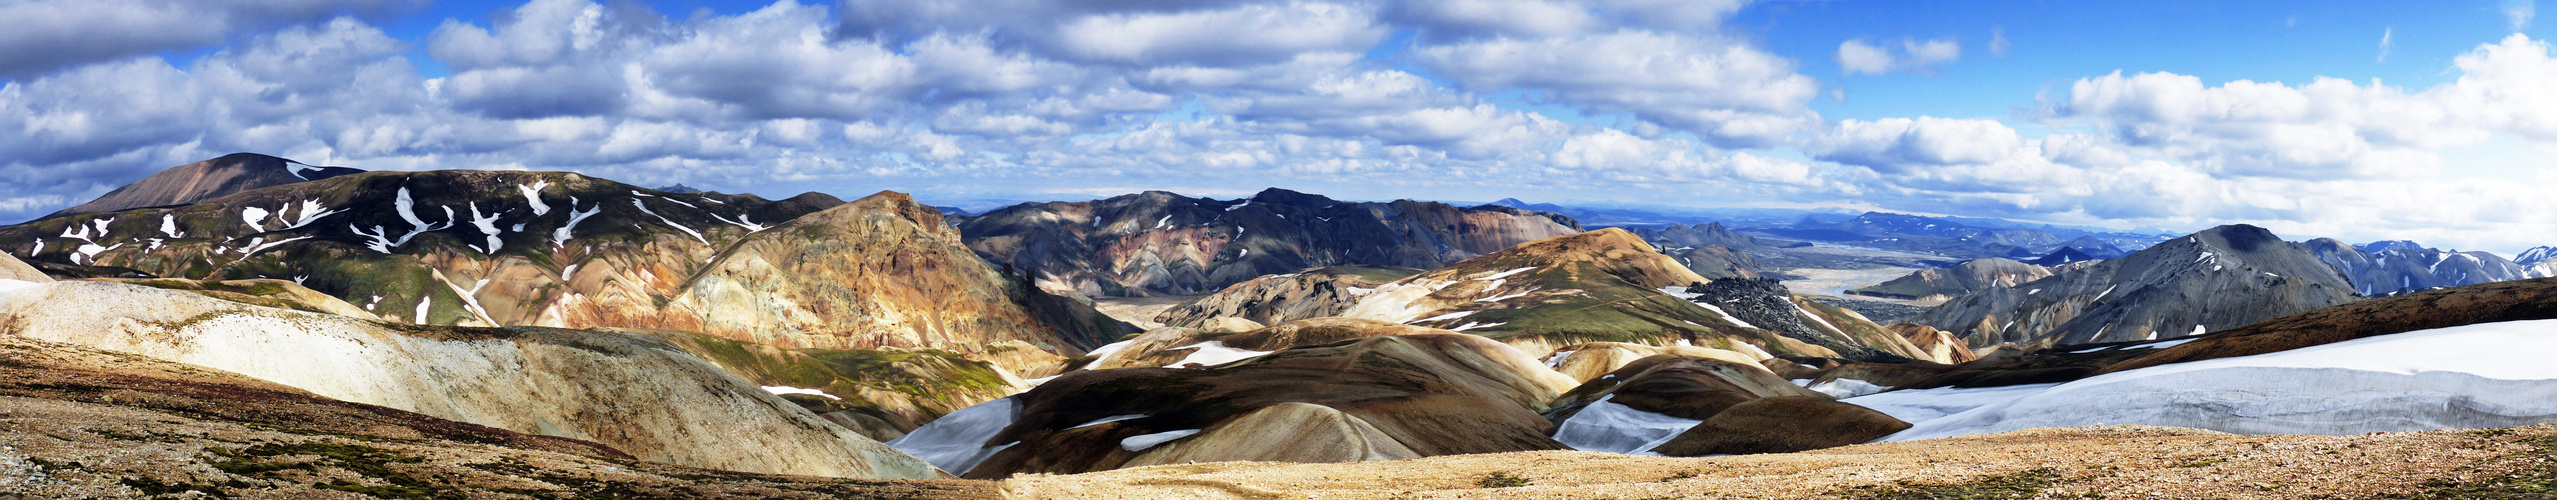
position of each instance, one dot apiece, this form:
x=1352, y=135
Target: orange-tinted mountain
x=557, y=249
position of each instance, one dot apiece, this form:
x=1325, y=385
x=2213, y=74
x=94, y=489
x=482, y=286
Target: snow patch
x=1103, y=353
x=783, y=389
x=1108, y=419
x=2422, y=380
x=407, y=207
x=1605, y=426
x=1506, y=274
x=957, y=442
x=1212, y=353
x=169, y=226
x=1453, y=315
x=559, y=236
x=487, y=225
x=643, y=208
x=1846, y=388
x=533, y=196
x=1142, y=441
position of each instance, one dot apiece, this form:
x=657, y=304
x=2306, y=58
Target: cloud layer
x=1632, y=100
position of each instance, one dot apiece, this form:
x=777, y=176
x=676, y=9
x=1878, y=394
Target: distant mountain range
x=1165, y=243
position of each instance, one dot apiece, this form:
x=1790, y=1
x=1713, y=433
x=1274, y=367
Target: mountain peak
x=206, y=180
x=1276, y=196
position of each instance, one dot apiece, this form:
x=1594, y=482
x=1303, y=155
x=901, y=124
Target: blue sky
x=2359, y=120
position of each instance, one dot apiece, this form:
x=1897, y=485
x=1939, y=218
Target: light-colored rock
x=636, y=394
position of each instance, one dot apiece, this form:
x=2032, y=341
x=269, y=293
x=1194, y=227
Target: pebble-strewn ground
x=2095, y=462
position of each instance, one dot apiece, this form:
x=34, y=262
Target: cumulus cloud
x=1914, y=56
x=50, y=35
x=1375, y=99
x=1727, y=92
x=2517, y=13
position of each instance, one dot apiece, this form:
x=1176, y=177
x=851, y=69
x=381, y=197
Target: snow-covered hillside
x=2475, y=376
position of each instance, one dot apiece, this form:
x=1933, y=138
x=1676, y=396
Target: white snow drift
x=2475, y=376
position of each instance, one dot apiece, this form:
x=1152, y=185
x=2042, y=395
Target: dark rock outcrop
x=1765, y=303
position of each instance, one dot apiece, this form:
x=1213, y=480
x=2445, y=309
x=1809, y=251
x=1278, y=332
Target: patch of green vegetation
x=150, y=486
x=2018, y=485
x=122, y=436
x=2201, y=462
x=1684, y=474
x=1502, y=479
x=362, y=460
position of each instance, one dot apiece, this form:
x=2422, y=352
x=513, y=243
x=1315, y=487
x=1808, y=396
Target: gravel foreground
x=2082, y=462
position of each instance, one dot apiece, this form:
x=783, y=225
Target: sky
x=2430, y=121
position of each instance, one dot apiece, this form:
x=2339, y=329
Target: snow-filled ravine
x=2475, y=376
x=957, y=442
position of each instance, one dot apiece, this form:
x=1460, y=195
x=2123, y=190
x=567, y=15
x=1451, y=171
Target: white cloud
x=1858, y=56
x=2384, y=42
x=1998, y=44
x=2517, y=13
x=50, y=35
x=1241, y=35
x=1723, y=91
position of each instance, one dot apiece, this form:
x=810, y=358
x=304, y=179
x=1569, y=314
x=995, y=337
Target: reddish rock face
x=1159, y=242
x=487, y=248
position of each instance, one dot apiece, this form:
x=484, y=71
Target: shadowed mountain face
x=2396, y=267
x=554, y=249
x=204, y=180
x=1159, y=242
x=2220, y=278
x=1961, y=279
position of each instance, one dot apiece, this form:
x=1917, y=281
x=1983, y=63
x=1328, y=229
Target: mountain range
x=252, y=326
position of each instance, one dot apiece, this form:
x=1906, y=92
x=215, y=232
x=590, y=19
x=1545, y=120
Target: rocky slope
x=2390, y=268
x=637, y=394
x=1159, y=242
x=1963, y=279
x=880, y=393
x=485, y=248
x=86, y=423
x=1280, y=298
x=2221, y=278
x=205, y=180
x=1380, y=397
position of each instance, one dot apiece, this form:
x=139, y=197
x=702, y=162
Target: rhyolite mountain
x=556, y=249
x=1599, y=286
x=2395, y=267
x=1164, y=243
x=2220, y=278
x=204, y=180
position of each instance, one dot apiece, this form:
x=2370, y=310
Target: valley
x=234, y=328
